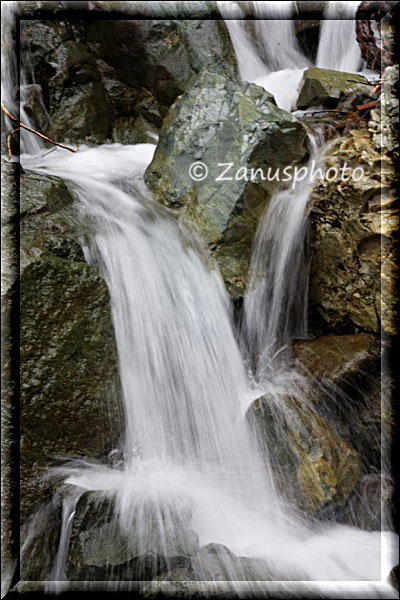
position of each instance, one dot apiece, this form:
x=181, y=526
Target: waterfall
x=267, y=50
x=338, y=48
x=190, y=462
x=192, y=469
x=275, y=306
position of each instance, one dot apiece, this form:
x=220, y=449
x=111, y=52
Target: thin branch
x=23, y=126
x=9, y=153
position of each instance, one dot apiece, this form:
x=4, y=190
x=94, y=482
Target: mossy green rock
x=326, y=87
x=70, y=394
x=219, y=121
x=320, y=469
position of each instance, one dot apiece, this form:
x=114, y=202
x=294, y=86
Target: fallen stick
x=23, y=126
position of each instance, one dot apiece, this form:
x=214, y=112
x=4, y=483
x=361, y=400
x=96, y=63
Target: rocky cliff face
x=354, y=225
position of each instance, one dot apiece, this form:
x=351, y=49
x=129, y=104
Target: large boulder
x=219, y=121
x=326, y=87
x=354, y=223
x=313, y=466
x=70, y=391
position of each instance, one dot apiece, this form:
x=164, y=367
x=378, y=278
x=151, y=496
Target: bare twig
x=23, y=126
x=9, y=153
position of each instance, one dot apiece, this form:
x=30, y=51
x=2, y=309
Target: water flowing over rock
x=190, y=446
x=347, y=368
x=326, y=87
x=99, y=549
x=353, y=271
x=67, y=379
x=220, y=122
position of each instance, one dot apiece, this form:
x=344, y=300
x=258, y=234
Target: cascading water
x=192, y=471
x=275, y=309
x=338, y=48
x=190, y=463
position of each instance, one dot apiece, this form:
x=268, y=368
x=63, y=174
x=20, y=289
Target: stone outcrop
x=99, y=550
x=345, y=388
x=86, y=91
x=217, y=122
x=353, y=268
x=70, y=395
x=313, y=466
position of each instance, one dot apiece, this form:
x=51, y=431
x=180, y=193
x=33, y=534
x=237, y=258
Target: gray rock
x=219, y=121
x=326, y=87
x=163, y=55
x=71, y=83
x=99, y=549
x=70, y=394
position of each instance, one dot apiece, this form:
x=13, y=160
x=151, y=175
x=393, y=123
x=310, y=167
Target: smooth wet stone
x=219, y=121
x=326, y=87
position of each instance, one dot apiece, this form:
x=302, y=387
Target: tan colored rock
x=336, y=359
x=311, y=461
x=353, y=236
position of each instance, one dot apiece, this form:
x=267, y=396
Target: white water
x=275, y=305
x=338, y=48
x=189, y=458
x=268, y=52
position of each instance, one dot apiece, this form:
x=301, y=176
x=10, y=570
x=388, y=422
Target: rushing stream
x=190, y=464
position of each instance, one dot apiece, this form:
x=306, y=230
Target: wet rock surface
x=338, y=360
x=86, y=91
x=67, y=380
x=99, y=550
x=218, y=122
x=320, y=468
x=348, y=394
x=326, y=87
